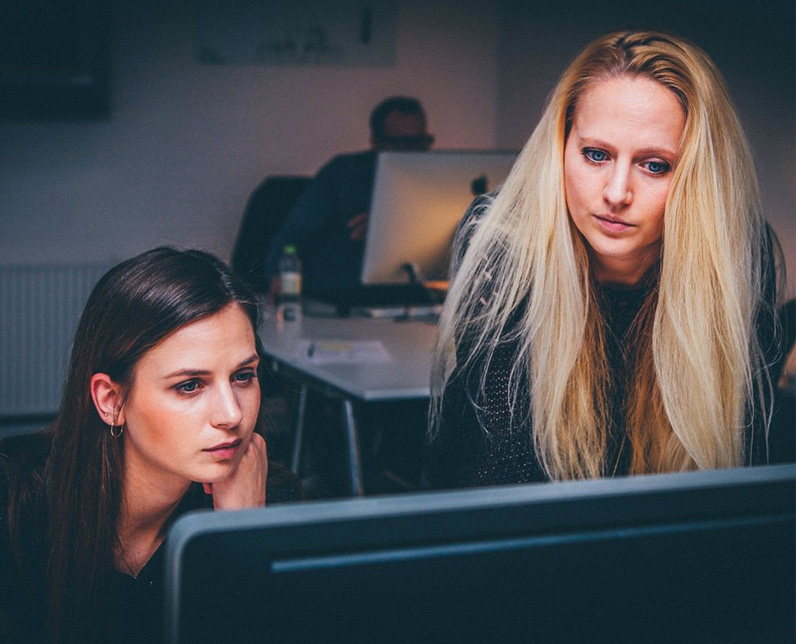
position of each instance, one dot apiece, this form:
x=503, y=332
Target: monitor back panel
x=620, y=561
x=418, y=199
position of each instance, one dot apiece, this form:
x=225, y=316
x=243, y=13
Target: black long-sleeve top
x=485, y=438
x=482, y=441
x=136, y=604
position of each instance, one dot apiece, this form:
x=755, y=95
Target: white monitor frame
x=418, y=199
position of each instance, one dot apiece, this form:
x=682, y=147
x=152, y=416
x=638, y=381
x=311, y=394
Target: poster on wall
x=357, y=33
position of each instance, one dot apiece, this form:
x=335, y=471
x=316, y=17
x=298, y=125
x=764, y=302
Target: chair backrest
x=265, y=213
x=787, y=321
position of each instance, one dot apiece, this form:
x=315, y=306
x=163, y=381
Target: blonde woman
x=612, y=310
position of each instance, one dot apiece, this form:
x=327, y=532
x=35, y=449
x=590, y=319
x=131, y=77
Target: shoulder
x=355, y=161
x=282, y=486
x=23, y=525
x=478, y=208
x=473, y=216
x=22, y=479
x=468, y=225
x=23, y=458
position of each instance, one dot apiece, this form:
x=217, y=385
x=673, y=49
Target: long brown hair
x=132, y=308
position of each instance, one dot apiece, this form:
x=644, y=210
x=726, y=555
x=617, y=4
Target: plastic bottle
x=290, y=285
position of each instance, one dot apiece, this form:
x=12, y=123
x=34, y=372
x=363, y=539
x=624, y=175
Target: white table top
x=405, y=374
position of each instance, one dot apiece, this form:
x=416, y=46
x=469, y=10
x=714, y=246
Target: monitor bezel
x=301, y=532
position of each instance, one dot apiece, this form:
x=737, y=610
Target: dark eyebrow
x=204, y=372
x=252, y=358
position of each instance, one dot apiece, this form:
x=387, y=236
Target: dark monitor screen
x=693, y=557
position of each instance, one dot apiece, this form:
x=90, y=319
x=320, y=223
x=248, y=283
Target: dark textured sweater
x=134, y=604
x=463, y=454
x=485, y=438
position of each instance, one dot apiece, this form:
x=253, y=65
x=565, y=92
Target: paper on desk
x=342, y=351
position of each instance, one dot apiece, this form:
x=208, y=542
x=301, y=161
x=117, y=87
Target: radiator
x=39, y=310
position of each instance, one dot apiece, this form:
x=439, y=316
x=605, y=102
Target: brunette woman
x=158, y=417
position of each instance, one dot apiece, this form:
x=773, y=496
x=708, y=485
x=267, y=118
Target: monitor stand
x=405, y=301
x=411, y=310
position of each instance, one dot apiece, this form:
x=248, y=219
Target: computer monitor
x=418, y=198
x=692, y=557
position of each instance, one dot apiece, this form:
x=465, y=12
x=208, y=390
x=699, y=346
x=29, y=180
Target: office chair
x=787, y=322
x=783, y=421
x=265, y=213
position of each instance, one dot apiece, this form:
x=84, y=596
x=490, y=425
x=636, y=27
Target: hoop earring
x=119, y=428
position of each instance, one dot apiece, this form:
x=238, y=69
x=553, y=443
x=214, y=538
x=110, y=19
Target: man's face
x=403, y=132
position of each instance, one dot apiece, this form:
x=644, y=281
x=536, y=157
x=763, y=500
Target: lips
x=612, y=224
x=224, y=450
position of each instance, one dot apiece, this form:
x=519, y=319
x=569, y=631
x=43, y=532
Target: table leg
x=355, y=468
x=302, y=406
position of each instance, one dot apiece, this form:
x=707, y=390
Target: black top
x=138, y=601
x=463, y=454
x=483, y=439
x=136, y=604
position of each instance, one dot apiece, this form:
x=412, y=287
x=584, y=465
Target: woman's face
x=193, y=403
x=618, y=164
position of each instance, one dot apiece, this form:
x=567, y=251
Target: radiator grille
x=39, y=310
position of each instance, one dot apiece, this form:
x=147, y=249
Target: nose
x=618, y=190
x=226, y=411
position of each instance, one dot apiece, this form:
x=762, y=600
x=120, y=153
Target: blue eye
x=657, y=167
x=188, y=387
x=594, y=155
x=244, y=377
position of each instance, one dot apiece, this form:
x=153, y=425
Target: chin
x=217, y=472
x=611, y=251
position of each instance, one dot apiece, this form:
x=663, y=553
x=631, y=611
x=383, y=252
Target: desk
x=404, y=377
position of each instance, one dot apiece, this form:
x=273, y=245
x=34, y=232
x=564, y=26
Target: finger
x=357, y=220
x=208, y=488
x=257, y=442
x=245, y=485
x=358, y=233
x=255, y=458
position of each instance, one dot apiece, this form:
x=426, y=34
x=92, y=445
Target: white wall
x=187, y=143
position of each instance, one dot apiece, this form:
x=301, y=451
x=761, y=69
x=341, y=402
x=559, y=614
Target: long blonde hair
x=698, y=364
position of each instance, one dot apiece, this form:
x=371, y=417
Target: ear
x=107, y=397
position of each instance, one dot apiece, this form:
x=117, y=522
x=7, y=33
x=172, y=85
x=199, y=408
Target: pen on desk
x=311, y=350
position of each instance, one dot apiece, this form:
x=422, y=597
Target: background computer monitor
x=692, y=557
x=418, y=198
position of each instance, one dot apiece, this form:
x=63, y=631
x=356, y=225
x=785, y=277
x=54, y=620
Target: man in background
x=329, y=222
